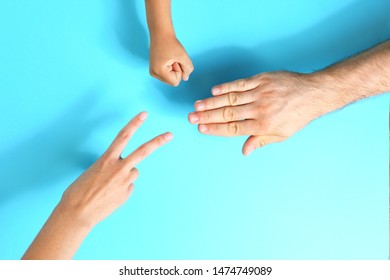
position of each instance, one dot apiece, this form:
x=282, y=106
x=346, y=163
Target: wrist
x=162, y=35
x=74, y=216
x=60, y=237
x=329, y=91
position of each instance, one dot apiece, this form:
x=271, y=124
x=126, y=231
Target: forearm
x=59, y=238
x=364, y=75
x=158, y=13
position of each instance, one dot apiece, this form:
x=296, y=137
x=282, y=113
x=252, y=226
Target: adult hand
x=169, y=62
x=270, y=107
x=108, y=183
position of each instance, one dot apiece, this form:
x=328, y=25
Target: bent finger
x=133, y=174
x=187, y=68
x=130, y=190
x=174, y=75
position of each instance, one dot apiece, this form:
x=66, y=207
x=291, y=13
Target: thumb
x=174, y=74
x=176, y=68
x=257, y=141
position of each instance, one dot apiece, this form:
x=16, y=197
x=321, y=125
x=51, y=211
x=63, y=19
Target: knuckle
x=261, y=142
x=213, y=103
x=123, y=134
x=262, y=107
x=104, y=162
x=265, y=78
x=135, y=170
x=204, y=116
x=252, y=94
x=253, y=111
x=229, y=113
x=117, y=170
x=233, y=99
x=241, y=84
x=143, y=151
x=157, y=71
x=135, y=173
x=263, y=126
x=190, y=66
x=209, y=103
x=254, y=78
x=233, y=128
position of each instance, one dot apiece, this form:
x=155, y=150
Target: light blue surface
x=72, y=73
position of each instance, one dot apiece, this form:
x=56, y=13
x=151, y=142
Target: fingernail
x=199, y=105
x=193, y=118
x=186, y=78
x=203, y=128
x=143, y=116
x=168, y=136
x=216, y=90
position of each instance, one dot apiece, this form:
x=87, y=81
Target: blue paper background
x=72, y=73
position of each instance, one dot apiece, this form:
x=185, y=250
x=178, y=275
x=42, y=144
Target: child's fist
x=169, y=61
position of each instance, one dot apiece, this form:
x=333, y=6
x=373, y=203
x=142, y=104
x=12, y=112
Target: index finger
x=237, y=85
x=118, y=145
x=146, y=149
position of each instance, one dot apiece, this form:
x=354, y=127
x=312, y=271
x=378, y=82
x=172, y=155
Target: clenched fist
x=169, y=61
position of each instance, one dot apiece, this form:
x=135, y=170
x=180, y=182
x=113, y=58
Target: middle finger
x=228, y=99
x=221, y=115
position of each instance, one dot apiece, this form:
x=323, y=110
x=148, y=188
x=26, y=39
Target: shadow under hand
x=131, y=34
x=52, y=153
x=212, y=68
